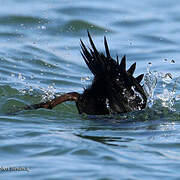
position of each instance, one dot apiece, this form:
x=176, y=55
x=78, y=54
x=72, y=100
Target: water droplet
x=167, y=78
x=84, y=79
x=32, y=76
x=21, y=77
x=178, y=97
x=43, y=27
x=172, y=61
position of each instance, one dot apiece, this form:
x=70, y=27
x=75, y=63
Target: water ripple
x=21, y=20
x=39, y=55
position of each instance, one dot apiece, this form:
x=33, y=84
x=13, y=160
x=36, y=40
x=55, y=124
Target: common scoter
x=113, y=90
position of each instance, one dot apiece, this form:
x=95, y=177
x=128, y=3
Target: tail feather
x=123, y=64
x=117, y=81
x=139, y=78
x=132, y=69
x=94, y=60
x=117, y=60
x=99, y=64
x=88, y=58
x=93, y=46
x=107, y=49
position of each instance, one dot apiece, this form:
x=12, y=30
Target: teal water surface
x=40, y=56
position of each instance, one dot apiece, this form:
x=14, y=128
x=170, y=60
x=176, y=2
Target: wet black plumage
x=112, y=84
x=114, y=89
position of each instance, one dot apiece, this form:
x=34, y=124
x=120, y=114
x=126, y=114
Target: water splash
x=49, y=93
x=168, y=95
x=150, y=82
x=161, y=86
